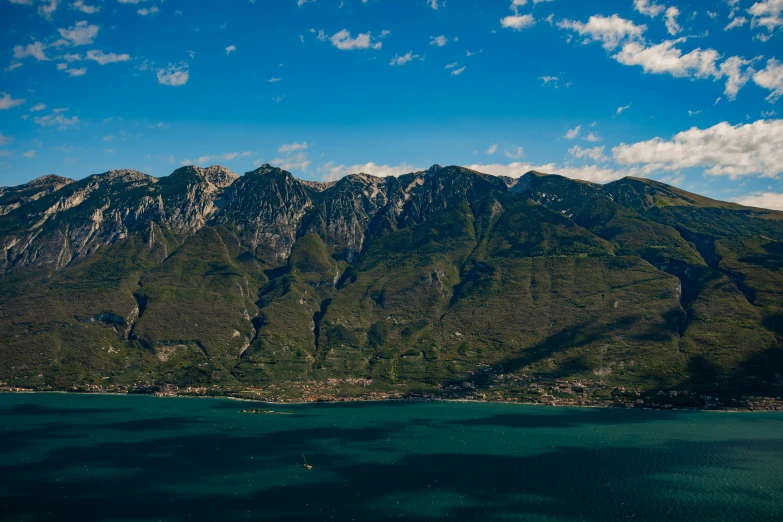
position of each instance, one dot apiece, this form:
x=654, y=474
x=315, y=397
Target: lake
x=137, y=458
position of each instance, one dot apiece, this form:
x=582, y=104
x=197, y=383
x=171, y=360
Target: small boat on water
x=305, y=464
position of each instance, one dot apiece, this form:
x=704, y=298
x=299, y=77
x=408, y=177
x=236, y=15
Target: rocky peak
x=266, y=169
x=12, y=198
x=49, y=180
x=216, y=175
x=267, y=206
x=362, y=178
x=124, y=176
x=433, y=170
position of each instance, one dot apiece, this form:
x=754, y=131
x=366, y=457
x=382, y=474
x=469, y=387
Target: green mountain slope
x=446, y=282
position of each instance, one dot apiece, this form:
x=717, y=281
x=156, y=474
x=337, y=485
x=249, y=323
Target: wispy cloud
x=292, y=147
x=405, y=58
x=174, y=75
x=7, y=102
x=343, y=41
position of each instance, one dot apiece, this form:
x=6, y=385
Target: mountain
x=446, y=282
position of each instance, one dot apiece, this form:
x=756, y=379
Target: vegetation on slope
x=439, y=282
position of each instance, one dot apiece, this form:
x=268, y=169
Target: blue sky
x=684, y=92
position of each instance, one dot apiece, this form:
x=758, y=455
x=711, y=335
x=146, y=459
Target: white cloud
x=228, y=156
x=517, y=22
x=151, y=11
x=230, y=49
x=433, y=4
x=292, y=147
x=457, y=72
x=595, y=153
x=291, y=162
x=76, y=72
x=174, y=75
x=7, y=102
x=451, y=65
x=573, y=133
x=648, y=7
x=274, y=79
x=12, y=66
x=37, y=107
x=771, y=78
x=593, y=173
x=737, y=22
x=80, y=34
x=492, y=149
x=622, y=109
x=104, y=58
x=29, y=154
x=664, y=58
x=737, y=72
x=405, y=58
x=610, y=31
x=300, y=3
x=79, y=5
x=767, y=14
x=47, y=9
x=5, y=140
x=56, y=119
x=231, y=155
x=593, y=137
x=549, y=79
x=770, y=200
x=724, y=149
x=438, y=41
x=514, y=152
x=343, y=41
x=671, y=21
x=332, y=172
x=35, y=49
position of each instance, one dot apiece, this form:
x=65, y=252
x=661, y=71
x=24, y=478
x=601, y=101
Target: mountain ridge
x=447, y=282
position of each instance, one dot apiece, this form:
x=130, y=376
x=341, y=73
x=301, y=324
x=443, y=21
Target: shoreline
x=371, y=401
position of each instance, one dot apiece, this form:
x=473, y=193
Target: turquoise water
x=118, y=458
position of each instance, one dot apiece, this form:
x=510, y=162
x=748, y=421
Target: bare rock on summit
x=12, y=198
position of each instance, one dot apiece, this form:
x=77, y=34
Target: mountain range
x=445, y=282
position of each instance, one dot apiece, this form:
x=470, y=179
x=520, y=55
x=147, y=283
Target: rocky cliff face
x=12, y=198
x=61, y=226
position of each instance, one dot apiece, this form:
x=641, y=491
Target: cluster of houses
x=496, y=387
